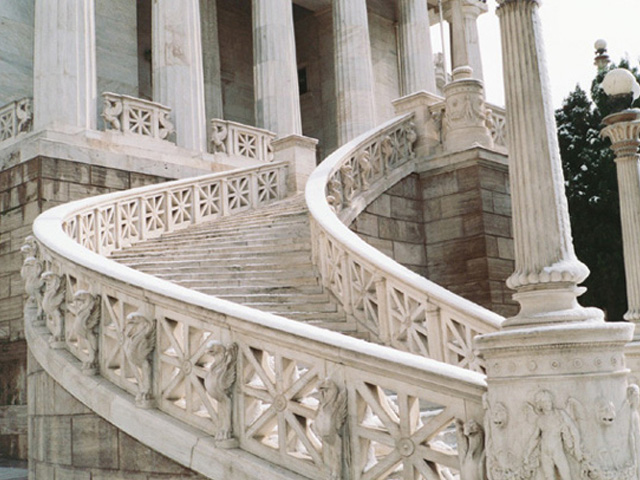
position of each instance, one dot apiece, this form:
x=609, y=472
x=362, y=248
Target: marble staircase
x=261, y=259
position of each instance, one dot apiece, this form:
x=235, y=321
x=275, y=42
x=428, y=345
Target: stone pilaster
x=354, y=69
x=416, y=56
x=64, y=70
x=623, y=129
x=465, y=47
x=178, y=80
x=275, y=68
x=558, y=405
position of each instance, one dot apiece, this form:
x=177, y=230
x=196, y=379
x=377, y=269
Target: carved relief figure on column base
x=139, y=342
x=219, y=383
x=53, y=304
x=86, y=309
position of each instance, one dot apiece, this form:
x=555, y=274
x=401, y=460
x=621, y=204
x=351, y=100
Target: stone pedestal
x=354, y=70
x=300, y=153
x=558, y=405
x=416, y=56
x=275, y=69
x=178, y=80
x=465, y=117
x=64, y=69
x=465, y=47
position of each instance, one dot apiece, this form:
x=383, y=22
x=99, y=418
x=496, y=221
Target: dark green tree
x=592, y=191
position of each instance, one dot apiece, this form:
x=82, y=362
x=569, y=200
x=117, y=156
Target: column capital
x=623, y=130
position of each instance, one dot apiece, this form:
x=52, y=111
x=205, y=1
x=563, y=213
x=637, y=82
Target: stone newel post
x=178, y=79
x=558, y=405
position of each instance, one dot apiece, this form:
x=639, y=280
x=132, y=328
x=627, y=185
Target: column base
x=551, y=305
x=300, y=153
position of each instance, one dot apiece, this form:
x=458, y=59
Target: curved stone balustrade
x=224, y=389
x=401, y=308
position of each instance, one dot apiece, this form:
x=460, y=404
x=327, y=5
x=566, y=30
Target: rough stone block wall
x=393, y=224
x=26, y=190
x=68, y=441
x=469, y=243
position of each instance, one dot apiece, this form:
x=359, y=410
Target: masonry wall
x=68, y=441
x=451, y=225
x=26, y=190
x=469, y=242
x=393, y=224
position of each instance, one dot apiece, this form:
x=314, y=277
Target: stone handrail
x=399, y=307
x=136, y=116
x=237, y=139
x=16, y=118
x=243, y=390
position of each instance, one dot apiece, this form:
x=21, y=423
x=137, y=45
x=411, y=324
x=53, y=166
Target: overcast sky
x=570, y=29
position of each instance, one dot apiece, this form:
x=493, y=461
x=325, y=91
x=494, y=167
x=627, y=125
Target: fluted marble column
x=275, y=68
x=623, y=129
x=465, y=46
x=416, y=56
x=64, y=68
x=354, y=69
x=558, y=404
x=178, y=80
x=547, y=270
x=211, y=59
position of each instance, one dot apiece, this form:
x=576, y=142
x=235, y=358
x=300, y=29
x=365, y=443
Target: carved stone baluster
x=86, y=309
x=139, y=342
x=334, y=198
x=111, y=111
x=348, y=182
x=218, y=136
x=330, y=425
x=219, y=383
x=31, y=272
x=53, y=304
x=24, y=115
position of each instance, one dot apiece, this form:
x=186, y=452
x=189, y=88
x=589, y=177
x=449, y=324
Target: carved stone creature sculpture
x=218, y=136
x=111, y=111
x=555, y=436
x=334, y=198
x=31, y=273
x=165, y=127
x=219, y=383
x=139, y=341
x=364, y=164
x=329, y=426
x=24, y=115
x=348, y=182
x=86, y=309
x=471, y=450
x=30, y=247
x=387, y=148
x=53, y=305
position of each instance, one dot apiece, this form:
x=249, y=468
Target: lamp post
x=602, y=59
x=623, y=129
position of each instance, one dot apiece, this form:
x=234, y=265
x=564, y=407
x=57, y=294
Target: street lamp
x=602, y=59
x=623, y=129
